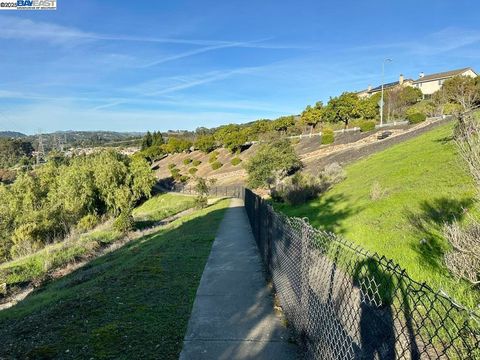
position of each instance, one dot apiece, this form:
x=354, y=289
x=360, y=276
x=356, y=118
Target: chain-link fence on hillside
x=219, y=191
x=345, y=303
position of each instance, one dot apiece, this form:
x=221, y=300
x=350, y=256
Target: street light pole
x=381, y=101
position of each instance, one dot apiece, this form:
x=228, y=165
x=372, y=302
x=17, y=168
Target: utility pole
x=381, y=101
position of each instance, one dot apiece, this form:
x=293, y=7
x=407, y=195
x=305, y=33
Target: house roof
x=442, y=75
x=385, y=86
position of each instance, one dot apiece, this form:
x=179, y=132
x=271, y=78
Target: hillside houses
x=428, y=84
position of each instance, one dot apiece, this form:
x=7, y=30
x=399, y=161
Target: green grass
x=38, y=264
x=423, y=185
x=160, y=207
x=133, y=303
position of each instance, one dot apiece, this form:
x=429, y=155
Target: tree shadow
x=133, y=302
x=428, y=225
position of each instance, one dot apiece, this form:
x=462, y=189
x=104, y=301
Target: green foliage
x=328, y=136
x=149, y=140
x=283, y=123
x=88, y=222
x=366, y=125
x=213, y=157
x=311, y=116
x=452, y=108
x=416, y=118
x=236, y=161
x=176, y=145
x=193, y=170
x=187, y=161
x=271, y=163
x=124, y=222
x=425, y=107
x=13, y=150
x=205, y=143
x=368, y=108
x=196, y=162
x=299, y=189
x=343, y=108
x=171, y=166
x=152, y=153
x=184, y=178
x=462, y=90
x=41, y=207
x=216, y=165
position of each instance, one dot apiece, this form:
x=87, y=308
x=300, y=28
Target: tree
x=271, y=163
x=311, y=116
x=283, y=123
x=343, y=108
x=463, y=90
x=147, y=140
x=157, y=138
x=398, y=99
x=205, y=143
x=176, y=145
x=368, y=108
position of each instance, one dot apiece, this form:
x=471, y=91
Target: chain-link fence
x=219, y=191
x=345, y=303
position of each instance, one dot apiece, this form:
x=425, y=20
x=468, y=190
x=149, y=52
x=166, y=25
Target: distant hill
x=73, y=138
x=11, y=134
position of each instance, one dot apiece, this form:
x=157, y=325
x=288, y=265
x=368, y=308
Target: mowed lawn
x=422, y=185
x=162, y=206
x=133, y=303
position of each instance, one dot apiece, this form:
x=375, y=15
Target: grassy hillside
x=419, y=185
x=76, y=246
x=132, y=303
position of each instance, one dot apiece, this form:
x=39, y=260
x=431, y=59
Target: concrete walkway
x=233, y=316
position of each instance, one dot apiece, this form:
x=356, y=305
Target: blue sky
x=175, y=64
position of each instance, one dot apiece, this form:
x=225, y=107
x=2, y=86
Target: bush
x=299, y=189
x=328, y=137
x=184, y=178
x=171, y=166
x=196, y=162
x=124, y=222
x=174, y=172
x=193, y=170
x=366, y=125
x=216, y=165
x=213, y=157
x=88, y=222
x=235, y=161
x=187, y=161
x=416, y=118
x=333, y=173
x=452, y=108
x=201, y=202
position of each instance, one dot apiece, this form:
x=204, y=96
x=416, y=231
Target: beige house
x=428, y=84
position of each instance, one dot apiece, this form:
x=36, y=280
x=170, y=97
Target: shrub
x=416, y=118
x=193, y=170
x=171, y=166
x=201, y=202
x=174, y=171
x=216, y=165
x=299, y=189
x=452, y=108
x=235, y=161
x=124, y=222
x=205, y=143
x=213, y=157
x=333, y=173
x=366, y=125
x=328, y=137
x=187, y=161
x=88, y=222
x=184, y=178
x=196, y=162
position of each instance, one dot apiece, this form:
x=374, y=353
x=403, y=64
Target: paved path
x=233, y=316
